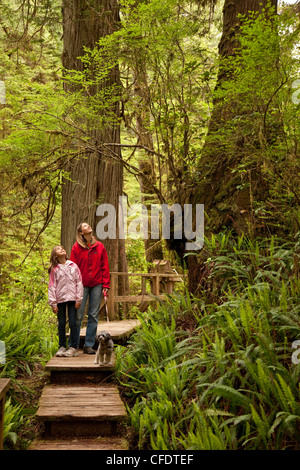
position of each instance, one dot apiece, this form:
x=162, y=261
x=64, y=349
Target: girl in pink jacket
x=65, y=292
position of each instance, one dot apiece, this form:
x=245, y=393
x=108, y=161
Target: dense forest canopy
x=175, y=103
x=170, y=87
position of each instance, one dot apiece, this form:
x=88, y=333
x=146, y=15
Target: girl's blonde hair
x=53, y=258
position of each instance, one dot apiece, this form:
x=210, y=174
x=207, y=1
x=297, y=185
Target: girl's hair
x=53, y=258
x=79, y=237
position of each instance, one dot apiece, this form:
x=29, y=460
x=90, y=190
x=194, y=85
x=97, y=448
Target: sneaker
x=61, y=351
x=89, y=350
x=70, y=352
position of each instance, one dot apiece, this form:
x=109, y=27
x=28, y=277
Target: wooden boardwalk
x=81, y=368
x=4, y=387
x=81, y=407
x=120, y=330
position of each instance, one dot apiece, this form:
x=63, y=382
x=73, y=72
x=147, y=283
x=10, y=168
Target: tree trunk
x=225, y=204
x=95, y=178
x=219, y=188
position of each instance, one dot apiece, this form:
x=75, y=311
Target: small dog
x=105, y=349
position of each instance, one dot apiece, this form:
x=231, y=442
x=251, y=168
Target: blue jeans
x=62, y=318
x=94, y=294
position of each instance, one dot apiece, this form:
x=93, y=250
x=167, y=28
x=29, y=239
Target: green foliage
x=28, y=329
x=27, y=324
x=235, y=264
x=32, y=141
x=256, y=124
x=224, y=380
x=13, y=420
x=135, y=254
x=212, y=372
x=167, y=75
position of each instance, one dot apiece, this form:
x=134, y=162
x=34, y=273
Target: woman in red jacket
x=91, y=258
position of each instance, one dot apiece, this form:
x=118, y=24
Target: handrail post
x=143, y=285
x=156, y=283
x=111, y=297
x=4, y=386
x=155, y=287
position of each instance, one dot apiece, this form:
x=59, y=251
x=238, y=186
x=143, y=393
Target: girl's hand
x=105, y=292
x=77, y=305
x=55, y=309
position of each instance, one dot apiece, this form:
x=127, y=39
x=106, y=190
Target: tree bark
x=95, y=178
x=217, y=190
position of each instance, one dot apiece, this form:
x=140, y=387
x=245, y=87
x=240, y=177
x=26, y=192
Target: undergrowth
x=28, y=339
x=219, y=375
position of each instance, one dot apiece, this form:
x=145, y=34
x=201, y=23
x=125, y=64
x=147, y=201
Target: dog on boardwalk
x=105, y=349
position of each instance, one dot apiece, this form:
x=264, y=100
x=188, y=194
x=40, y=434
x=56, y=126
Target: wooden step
x=78, y=369
x=69, y=410
x=98, y=443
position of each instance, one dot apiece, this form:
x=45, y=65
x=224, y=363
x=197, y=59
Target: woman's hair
x=79, y=237
x=53, y=258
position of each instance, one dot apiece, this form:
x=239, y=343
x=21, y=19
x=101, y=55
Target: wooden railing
x=4, y=386
x=154, y=296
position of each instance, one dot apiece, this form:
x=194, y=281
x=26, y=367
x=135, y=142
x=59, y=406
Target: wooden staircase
x=81, y=408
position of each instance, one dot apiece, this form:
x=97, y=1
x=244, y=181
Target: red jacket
x=93, y=264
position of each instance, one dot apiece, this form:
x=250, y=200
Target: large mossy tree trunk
x=225, y=188
x=95, y=178
x=226, y=199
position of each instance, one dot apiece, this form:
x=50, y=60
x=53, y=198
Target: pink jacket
x=65, y=284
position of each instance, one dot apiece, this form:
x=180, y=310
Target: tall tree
x=241, y=128
x=219, y=188
x=96, y=178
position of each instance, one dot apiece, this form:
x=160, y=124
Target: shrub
x=229, y=383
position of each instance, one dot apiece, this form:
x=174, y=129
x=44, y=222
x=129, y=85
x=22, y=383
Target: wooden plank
x=146, y=274
x=54, y=414
x=139, y=298
x=143, y=286
x=98, y=443
x=67, y=414
x=111, y=296
x=52, y=390
x=119, y=330
x=155, y=277
x=80, y=403
x=81, y=396
x=81, y=362
x=4, y=386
